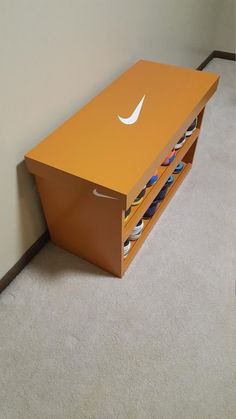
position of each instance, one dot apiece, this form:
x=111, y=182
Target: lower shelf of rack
x=148, y=224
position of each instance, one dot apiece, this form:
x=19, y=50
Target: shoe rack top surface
x=95, y=146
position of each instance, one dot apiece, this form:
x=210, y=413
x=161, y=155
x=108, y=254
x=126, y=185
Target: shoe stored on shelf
x=169, y=158
x=192, y=128
x=152, y=181
x=162, y=193
x=181, y=142
x=127, y=246
x=137, y=230
x=170, y=180
x=139, y=197
x=151, y=210
x=127, y=213
x=178, y=168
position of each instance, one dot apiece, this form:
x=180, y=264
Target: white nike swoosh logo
x=134, y=117
x=100, y=195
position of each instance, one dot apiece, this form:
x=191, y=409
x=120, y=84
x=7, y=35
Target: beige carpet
x=78, y=344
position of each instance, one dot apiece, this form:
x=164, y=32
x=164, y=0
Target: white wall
x=226, y=26
x=55, y=56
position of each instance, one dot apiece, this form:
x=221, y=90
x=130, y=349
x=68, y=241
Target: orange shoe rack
x=90, y=169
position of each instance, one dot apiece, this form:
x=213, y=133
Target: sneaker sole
x=135, y=236
x=138, y=230
x=137, y=202
x=188, y=133
x=178, y=146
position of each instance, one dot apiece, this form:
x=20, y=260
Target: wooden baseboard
x=225, y=55
x=24, y=260
x=217, y=54
x=206, y=61
x=37, y=246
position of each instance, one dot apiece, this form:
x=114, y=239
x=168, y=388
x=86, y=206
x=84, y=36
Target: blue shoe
x=162, y=193
x=169, y=158
x=152, y=181
x=170, y=180
x=178, y=168
x=151, y=210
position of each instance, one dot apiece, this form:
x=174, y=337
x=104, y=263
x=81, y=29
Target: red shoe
x=169, y=158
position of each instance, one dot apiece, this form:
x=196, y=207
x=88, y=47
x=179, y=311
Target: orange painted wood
x=93, y=145
x=83, y=224
x=94, y=154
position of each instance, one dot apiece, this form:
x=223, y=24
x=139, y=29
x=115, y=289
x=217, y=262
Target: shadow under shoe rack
x=90, y=170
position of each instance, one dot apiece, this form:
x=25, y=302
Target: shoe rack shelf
x=90, y=170
x=164, y=172
x=149, y=223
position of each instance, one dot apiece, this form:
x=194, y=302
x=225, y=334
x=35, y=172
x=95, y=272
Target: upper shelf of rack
x=95, y=145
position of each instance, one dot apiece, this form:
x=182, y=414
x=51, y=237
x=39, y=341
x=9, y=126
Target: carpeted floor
x=78, y=344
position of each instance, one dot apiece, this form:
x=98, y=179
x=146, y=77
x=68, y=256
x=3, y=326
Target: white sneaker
x=181, y=142
x=192, y=128
x=136, y=232
x=127, y=246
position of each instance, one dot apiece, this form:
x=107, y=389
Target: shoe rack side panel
x=84, y=224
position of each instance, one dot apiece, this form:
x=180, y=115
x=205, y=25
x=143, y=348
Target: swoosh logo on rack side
x=100, y=195
x=134, y=117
